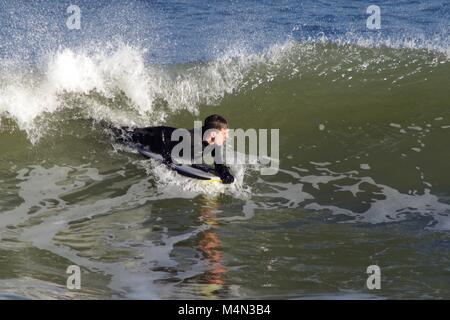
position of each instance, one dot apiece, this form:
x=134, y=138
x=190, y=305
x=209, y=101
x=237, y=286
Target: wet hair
x=215, y=121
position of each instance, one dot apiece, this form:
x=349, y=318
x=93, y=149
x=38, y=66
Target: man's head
x=216, y=129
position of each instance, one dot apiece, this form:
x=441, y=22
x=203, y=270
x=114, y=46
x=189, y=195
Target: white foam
x=26, y=96
x=118, y=85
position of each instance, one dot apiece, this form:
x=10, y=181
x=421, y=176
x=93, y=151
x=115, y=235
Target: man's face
x=221, y=136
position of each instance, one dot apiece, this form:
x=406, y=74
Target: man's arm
x=224, y=173
x=222, y=170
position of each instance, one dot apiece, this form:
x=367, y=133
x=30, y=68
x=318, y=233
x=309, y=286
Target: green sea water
x=363, y=178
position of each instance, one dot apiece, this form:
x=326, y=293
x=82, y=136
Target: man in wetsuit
x=159, y=140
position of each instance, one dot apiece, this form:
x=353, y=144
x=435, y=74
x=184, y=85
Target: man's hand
x=224, y=174
x=227, y=179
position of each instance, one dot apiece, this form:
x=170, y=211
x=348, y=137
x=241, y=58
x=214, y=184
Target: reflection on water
x=211, y=247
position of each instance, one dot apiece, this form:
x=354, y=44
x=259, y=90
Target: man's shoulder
x=164, y=128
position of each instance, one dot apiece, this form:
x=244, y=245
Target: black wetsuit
x=159, y=140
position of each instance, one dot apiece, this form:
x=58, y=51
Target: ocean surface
x=364, y=178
